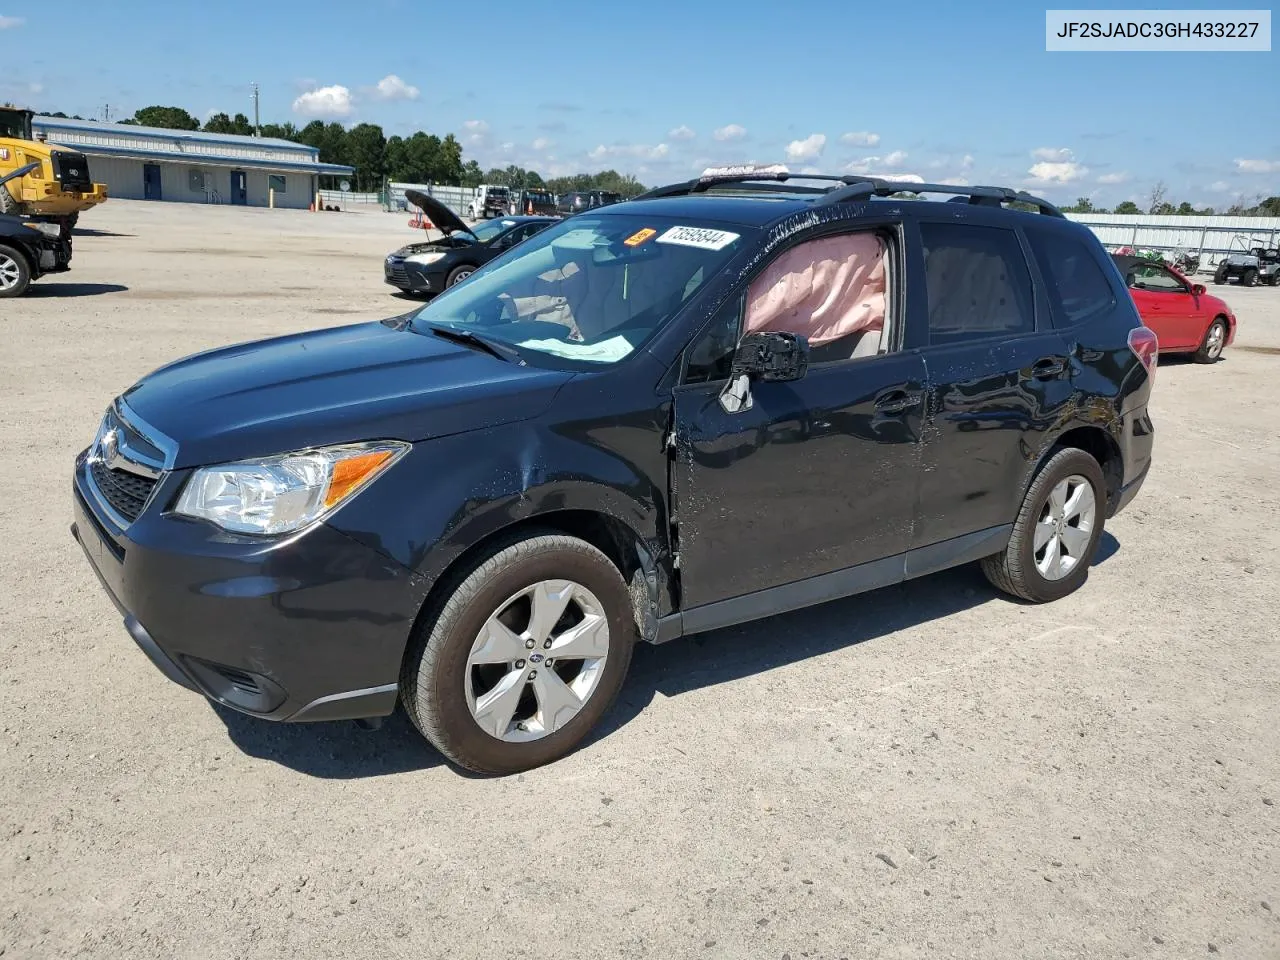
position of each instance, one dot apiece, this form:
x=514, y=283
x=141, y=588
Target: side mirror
x=775, y=357
x=1198, y=289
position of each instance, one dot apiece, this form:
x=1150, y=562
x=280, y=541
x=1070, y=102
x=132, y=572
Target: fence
x=1211, y=237
x=456, y=199
x=349, y=200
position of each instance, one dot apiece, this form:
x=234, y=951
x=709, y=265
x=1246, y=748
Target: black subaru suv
x=476, y=508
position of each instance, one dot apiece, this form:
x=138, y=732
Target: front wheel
x=458, y=274
x=1215, y=338
x=15, y=272
x=1220, y=275
x=1056, y=532
x=522, y=657
x=1249, y=278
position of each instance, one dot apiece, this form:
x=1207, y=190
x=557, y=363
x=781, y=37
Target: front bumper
x=412, y=277
x=312, y=627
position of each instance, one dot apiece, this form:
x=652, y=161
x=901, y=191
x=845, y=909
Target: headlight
x=50, y=230
x=285, y=493
x=424, y=258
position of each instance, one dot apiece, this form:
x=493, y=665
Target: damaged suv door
x=779, y=478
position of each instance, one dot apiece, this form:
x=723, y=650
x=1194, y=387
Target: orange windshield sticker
x=639, y=237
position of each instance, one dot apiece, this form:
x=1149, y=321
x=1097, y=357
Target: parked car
x=1184, y=317
x=1259, y=264
x=649, y=420
x=542, y=202
x=435, y=265
x=30, y=248
x=580, y=200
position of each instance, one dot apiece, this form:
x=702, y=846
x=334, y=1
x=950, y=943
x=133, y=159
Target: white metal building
x=1213, y=237
x=154, y=163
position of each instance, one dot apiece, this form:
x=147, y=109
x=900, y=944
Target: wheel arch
x=636, y=558
x=1094, y=440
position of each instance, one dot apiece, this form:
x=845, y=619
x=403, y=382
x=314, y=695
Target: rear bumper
x=1136, y=446
x=309, y=629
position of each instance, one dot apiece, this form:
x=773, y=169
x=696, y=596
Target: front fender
x=451, y=493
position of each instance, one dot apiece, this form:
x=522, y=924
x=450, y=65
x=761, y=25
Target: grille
x=396, y=273
x=244, y=682
x=126, y=492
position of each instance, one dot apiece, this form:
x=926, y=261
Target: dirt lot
x=930, y=770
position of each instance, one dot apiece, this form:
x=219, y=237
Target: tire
x=7, y=203
x=1215, y=338
x=1249, y=277
x=1220, y=275
x=1014, y=570
x=439, y=682
x=15, y=271
x=458, y=274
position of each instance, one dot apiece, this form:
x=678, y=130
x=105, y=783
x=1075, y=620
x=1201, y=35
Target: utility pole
x=257, y=127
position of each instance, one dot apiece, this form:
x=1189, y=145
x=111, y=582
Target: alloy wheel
x=1217, y=336
x=1065, y=527
x=537, y=661
x=9, y=272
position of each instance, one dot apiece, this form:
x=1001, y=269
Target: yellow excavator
x=54, y=182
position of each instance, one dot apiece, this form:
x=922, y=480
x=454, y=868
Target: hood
x=368, y=381
x=444, y=243
x=445, y=219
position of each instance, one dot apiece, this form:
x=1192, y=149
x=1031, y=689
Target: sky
x=661, y=89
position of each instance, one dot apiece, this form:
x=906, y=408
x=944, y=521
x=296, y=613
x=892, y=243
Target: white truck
x=489, y=201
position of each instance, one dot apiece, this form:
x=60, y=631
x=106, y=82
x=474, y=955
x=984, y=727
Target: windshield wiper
x=503, y=351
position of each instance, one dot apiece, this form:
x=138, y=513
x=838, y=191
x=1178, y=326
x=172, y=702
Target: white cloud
x=633, y=151
x=861, y=138
x=392, y=87
x=542, y=143
x=731, y=132
x=11, y=23
x=1258, y=166
x=955, y=182
x=1220, y=186
x=1052, y=154
x=681, y=132
x=332, y=101
x=1065, y=171
x=475, y=126
x=867, y=164
x=966, y=162
x=808, y=148
x=811, y=170
x=1114, y=178
x=903, y=177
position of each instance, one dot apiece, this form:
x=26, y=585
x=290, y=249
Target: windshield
x=589, y=290
x=489, y=229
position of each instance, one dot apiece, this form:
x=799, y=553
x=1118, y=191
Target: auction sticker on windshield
x=639, y=237
x=699, y=237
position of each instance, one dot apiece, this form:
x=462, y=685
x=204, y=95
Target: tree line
x=1159, y=205
x=420, y=158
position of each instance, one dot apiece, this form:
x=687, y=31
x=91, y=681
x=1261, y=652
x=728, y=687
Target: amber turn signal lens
x=350, y=473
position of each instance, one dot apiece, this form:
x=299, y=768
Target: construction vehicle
x=56, y=187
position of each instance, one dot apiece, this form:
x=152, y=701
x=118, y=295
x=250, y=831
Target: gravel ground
x=930, y=770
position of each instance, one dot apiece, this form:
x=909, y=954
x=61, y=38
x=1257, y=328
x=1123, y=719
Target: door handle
x=897, y=401
x=1048, y=368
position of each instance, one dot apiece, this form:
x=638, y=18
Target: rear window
x=1078, y=289
x=977, y=282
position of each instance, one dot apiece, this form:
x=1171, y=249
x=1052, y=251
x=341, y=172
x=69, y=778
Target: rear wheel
x=458, y=274
x=1249, y=277
x=1056, y=533
x=1215, y=338
x=7, y=203
x=15, y=271
x=522, y=657
x=1220, y=275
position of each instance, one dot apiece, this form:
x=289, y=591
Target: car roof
x=755, y=210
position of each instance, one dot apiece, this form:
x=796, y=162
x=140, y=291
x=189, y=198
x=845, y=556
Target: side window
x=711, y=355
x=832, y=290
x=1157, y=279
x=1077, y=287
x=977, y=282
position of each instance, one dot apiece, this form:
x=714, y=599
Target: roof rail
x=846, y=189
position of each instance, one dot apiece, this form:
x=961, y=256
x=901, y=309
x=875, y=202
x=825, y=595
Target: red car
x=1184, y=317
